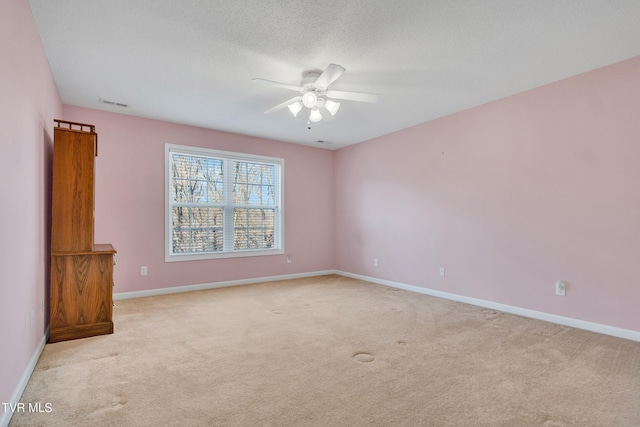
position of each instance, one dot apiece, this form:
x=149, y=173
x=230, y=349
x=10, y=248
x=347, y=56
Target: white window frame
x=228, y=157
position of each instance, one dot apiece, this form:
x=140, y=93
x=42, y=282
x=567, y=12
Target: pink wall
x=129, y=211
x=29, y=102
x=509, y=197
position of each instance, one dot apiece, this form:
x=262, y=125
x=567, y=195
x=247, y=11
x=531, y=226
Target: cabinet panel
x=81, y=295
x=72, y=190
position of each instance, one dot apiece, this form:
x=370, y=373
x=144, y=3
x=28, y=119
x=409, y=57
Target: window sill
x=222, y=255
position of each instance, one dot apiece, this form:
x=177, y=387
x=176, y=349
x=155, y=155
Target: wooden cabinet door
x=81, y=296
x=72, y=191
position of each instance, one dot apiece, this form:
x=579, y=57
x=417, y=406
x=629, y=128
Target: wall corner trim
x=5, y=417
x=539, y=315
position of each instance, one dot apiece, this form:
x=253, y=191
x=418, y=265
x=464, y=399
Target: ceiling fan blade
x=329, y=75
x=352, y=96
x=284, y=104
x=278, y=84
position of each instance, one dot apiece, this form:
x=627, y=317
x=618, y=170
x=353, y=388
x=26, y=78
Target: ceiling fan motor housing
x=309, y=83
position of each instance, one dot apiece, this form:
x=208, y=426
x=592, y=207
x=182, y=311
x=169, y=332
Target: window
x=221, y=204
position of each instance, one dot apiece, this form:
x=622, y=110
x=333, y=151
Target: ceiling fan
x=316, y=96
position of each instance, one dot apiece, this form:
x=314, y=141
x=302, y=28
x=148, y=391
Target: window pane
x=253, y=228
x=254, y=184
x=216, y=192
x=196, y=179
x=197, y=229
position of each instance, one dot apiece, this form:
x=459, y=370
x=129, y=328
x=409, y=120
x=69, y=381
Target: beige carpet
x=332, y=351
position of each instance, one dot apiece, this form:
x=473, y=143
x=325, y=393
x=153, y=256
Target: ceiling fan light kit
x=315, y=94
x=314, y=115
x=295, y=108
x=332, y=106
x=309, y=99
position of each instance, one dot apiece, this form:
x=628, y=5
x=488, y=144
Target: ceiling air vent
x=117, y=104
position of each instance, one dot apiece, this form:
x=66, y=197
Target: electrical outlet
x=33, y=319
x=561, y=288
x=289, y=259
x=375, y=262
x=441, y=272
x=143, y=270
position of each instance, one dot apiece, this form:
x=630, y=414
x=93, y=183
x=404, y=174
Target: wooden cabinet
x=81, y=295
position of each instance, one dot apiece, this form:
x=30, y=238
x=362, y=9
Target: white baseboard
x=5, y=417
x=214, y=285
x=553, y=318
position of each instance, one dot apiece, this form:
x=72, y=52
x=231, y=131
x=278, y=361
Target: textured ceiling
x=192, y=61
